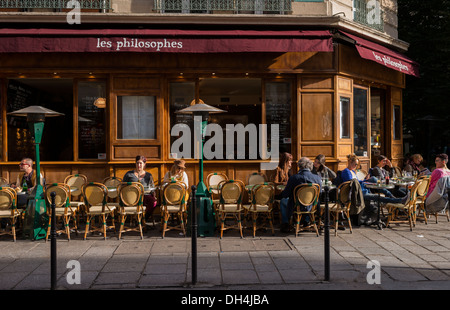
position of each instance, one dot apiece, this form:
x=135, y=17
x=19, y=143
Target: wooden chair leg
x=104, y=226
x=48, y=228
x=313, y=218
x=271, y=222
x=349, y=221
x=254, y=219
x=66, y=224
x=122, y=219
x=240, y=224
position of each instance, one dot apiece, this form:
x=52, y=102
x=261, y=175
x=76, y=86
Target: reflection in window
x=344, y=107
x=360, y=121
x=397, y=123
x=136, y=117
x=53, y=94
x=91, y=120
x=278, y=111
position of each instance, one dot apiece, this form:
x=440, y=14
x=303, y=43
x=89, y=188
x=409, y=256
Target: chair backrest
x=77, y=181
x=213, y=179
x=4, y=182
x=94, y=194
x=414, y=191
x=307, y=194
x=256, y=178
x=231, y=192
x=343, y=193
x=263, y=194
x=131, y=194
x=62, y=194
x=422, y=189
x=112, y=182
x=8, y=199
x=173, y=194
x=398, y=171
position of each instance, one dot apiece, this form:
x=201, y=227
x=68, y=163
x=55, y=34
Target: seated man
x=303, y=176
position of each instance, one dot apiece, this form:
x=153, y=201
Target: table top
x=379, y=185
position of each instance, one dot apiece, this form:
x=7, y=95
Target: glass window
x=91, y=120
x=278, y=111
x=136, y=117
x=57, y=138
x=181, y=95
x=345, y=117
x=397, y=123
x=360, y=121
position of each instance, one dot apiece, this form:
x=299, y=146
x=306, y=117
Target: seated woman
x=321, y=169
x=385, y=169
x=177, y=173
x=26, y=180
x=146, y=179
x=413, y=163
x=283, y=171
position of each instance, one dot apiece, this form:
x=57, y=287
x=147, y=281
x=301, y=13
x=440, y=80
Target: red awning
x=384, y=56
x=160, y=40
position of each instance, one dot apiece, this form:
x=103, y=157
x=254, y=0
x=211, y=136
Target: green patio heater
x=205, y=211
x=36, y=220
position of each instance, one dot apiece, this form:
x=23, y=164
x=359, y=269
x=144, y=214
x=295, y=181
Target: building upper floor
x=375, y=17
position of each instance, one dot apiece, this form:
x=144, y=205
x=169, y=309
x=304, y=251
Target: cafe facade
x=321, y=88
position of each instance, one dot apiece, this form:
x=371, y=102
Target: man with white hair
x=303, y=176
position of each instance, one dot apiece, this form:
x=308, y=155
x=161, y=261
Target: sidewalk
x=408, y=260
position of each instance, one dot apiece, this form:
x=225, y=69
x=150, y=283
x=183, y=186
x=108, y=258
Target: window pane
x=136, y=117
x=397, y=123
x=91, y=120
x=345, y=117
x=181, y=95
x=278, y=111
x=360, y=121
x=57, y=138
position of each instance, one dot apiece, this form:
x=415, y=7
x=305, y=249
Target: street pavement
x=368, y=259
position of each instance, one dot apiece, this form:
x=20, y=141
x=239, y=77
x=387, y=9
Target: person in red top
x=440, y=171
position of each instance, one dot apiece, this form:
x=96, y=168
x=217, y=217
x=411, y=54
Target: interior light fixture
x=100, y=103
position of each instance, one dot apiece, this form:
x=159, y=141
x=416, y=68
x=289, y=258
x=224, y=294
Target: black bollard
x=194, y=234
x=53, y=243
x=327, y=235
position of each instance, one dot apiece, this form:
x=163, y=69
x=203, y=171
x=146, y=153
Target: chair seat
x=232, y=207
x=172, y=209
x=94, y=210
x=60, y=212
x=397, y=205
x=114, y=204
x=129, y=210
x=76, y=203
x=259, y=208
x=7, y=213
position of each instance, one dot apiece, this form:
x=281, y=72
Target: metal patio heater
x=36, y=219
x=206, y=224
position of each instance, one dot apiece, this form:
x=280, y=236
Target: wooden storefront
x=321, y=90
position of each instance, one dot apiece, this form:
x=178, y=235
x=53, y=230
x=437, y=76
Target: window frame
x=114, y=115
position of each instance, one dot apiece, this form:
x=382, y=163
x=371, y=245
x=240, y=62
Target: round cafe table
x=379, y=223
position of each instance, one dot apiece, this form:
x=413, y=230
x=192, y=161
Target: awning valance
x=384, y=56
x=164, y=41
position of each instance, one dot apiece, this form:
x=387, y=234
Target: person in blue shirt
x=303, y=176
x=349, y=173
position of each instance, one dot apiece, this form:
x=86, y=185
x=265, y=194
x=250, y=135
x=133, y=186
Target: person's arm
x=331, y=173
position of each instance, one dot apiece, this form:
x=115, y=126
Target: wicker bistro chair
x=408, y=207
x=422, y=191
x=4, y=182
x=8, y=209
x=112, y=182
x=262, y=203
x=95, y=196
x=341, y=206
x=76, y=182
x=131, y=196
x=62, y=207
x=256, y=178
x=306, y=195
x=230, y=204
x=212, y=182
x=173, y=202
